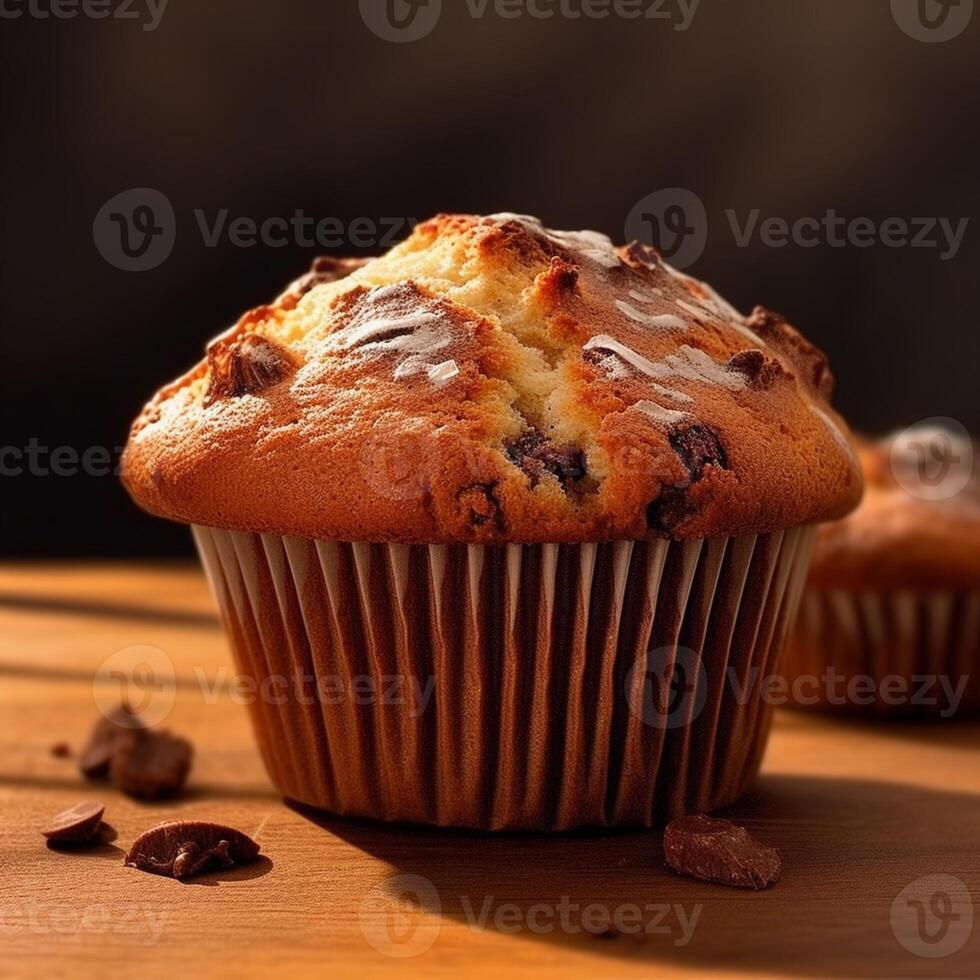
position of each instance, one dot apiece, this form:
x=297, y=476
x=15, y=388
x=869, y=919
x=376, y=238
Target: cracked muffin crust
x=490, y=380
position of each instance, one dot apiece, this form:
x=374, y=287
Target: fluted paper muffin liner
x=917, y=653
x=522, y=686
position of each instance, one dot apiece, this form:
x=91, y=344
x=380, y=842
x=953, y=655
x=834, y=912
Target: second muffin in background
x=890, y=621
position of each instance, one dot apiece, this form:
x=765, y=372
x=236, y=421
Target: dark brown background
x=790, y=106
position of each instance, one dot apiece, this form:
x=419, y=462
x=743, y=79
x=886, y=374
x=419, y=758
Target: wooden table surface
x=859, y=812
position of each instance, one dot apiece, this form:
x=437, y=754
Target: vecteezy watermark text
x=576, y=918
x=403, y=21
x=668, y=687
x=36, y=459
x=406, y=691
x=680, y=13
x=300, y=229
x=837, y=231
x=136, y=229
x=70, y=921
x=400, y=917
x=676, y=221
x=149, y=11
x=861, y=690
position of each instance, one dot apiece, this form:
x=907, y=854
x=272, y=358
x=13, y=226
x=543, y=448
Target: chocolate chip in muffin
x=698, y=446
x=669, y=509
x=185, y=849
x=60, y=750
x=759, y=369
x=720, y=852
x=245, y=365
x=77, y=826
x=595, y=355
x=537, y=456
x=150, y=765
x=774, y=329
x=641, y=255
x=479, y=505
x=325, y=269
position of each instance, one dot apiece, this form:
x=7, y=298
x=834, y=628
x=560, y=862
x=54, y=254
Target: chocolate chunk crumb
x=143, y=763
x=537, y=456
x=245, y=365
x=698, y=446
x=61, y=750
x=79, y=825
x=720, y=852
x=95, y=757
x=151, y=765
x=757, y=367
x=185, y=849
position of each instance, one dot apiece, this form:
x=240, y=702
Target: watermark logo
x=399, y=916
x=135, y=231
x=390, y=464
x=933, y=459
x=932, y=21
x=142, y=678
x=401, y=21
x=673, y=219
x=933, y=916
x=668, y=687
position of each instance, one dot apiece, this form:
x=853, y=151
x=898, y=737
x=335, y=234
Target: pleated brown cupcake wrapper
x=540, y=711
x=910, y=635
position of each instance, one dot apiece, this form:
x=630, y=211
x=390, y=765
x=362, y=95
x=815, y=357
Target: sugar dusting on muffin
x=493, y=380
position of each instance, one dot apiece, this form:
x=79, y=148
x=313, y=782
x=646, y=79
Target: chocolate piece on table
x=184, y=849
x=719, y=851
x=79, y=825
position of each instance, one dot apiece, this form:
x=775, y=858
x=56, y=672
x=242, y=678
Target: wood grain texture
x=858, y=812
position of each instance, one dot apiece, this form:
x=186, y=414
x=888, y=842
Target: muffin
x=495, y=516
x=890, y=624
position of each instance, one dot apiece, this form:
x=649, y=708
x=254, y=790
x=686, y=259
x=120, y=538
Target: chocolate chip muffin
x=890, y=624
x=527, y=478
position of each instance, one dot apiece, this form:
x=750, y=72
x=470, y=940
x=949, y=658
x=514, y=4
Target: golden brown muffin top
x=490, y=380
x=918, y=527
